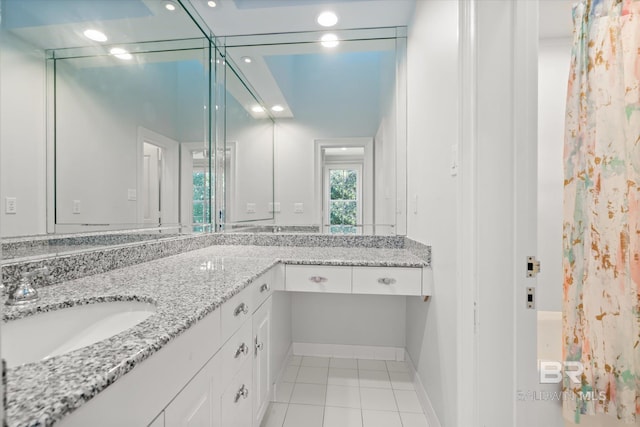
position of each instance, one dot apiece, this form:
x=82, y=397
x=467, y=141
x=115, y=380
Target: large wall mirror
x=340, y=127
x=144, y=123
x=106, y=119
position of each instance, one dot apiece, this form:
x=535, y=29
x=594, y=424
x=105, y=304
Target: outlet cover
x=11, y=205
x=132, y=194
x=276, y=207
x=76, y=207
x=251, y=208
x=298, y=207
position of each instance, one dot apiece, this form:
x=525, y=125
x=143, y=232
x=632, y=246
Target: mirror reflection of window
x=201, y=206
x=344, y=200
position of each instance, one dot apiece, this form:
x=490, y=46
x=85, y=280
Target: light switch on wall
x=298, y=207
x=274, y=207
x=76, y=207
x=132, y=194
x=10, y=205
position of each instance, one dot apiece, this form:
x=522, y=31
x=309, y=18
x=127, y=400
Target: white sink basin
x=53, y=333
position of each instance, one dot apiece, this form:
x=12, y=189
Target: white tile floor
x=332, y=392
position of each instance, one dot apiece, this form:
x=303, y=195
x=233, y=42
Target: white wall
x=22, y=136
x=371, y=320
x=252, y=171
x=554, y=57
x=385, y=169
x=294, y=173
x=432, y=131
x=98, y=112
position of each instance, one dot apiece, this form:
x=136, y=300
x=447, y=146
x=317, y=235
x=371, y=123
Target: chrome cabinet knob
x=241, y=309
x=318, y=279
x=265, y=288
x=242, y=393
x=386, y=281
x=243, y=349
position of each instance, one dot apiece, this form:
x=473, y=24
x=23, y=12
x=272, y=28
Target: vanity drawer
x=261, y=288
x=387, y=280
x=318, y=278
x=235, y=352
x=235, y=312
x=236, y=401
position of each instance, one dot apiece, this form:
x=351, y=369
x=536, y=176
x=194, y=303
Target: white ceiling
x=278, y=16
x=241, y=17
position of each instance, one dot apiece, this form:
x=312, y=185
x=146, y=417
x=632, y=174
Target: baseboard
x=427, y=407
x=278, y=378
x=349, y=351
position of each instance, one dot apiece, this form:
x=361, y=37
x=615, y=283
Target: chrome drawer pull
x=243, y=349
x=242, y=308
x=259, y=345
x=318, y=279
x=243, y=392
x=386, y=281
x=265, y=288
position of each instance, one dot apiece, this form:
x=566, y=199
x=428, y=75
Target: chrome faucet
x=23, y=292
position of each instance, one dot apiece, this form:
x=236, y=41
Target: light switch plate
x=274, y=207
x=132, y=194
x=251, y=208
x=298, y=207
x=11, y=205
x=76, y=207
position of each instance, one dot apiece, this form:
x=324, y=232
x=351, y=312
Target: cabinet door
x=235, y=402
x=261, y=360
x=194, y=405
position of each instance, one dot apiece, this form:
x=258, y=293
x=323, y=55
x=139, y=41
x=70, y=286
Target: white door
x=499, y=173
x=152, y=184
x=261, y=360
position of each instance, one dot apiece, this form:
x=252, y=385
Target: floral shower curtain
x=601, y=233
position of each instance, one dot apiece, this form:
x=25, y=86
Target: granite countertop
x=185, y=288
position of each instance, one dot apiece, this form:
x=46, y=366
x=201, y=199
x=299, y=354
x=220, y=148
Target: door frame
x=491, y=281
x=170, y=175
x=368, y=216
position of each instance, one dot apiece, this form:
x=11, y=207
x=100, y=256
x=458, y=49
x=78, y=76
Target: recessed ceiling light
x=95, y=35
x=327, y=19
x=211, y=3
x=120, y=53
x=169, y=6
x=246, y=59
x=329, y=40
x=257, y=109
x=277, y=108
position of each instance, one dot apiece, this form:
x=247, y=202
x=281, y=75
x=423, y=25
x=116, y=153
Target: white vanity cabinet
x=318, y=278
x=197, y=404
x=262, y=377
x=357, y=280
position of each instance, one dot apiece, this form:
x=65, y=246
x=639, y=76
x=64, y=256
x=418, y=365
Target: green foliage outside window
x=343, y=202
x=201, y=207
